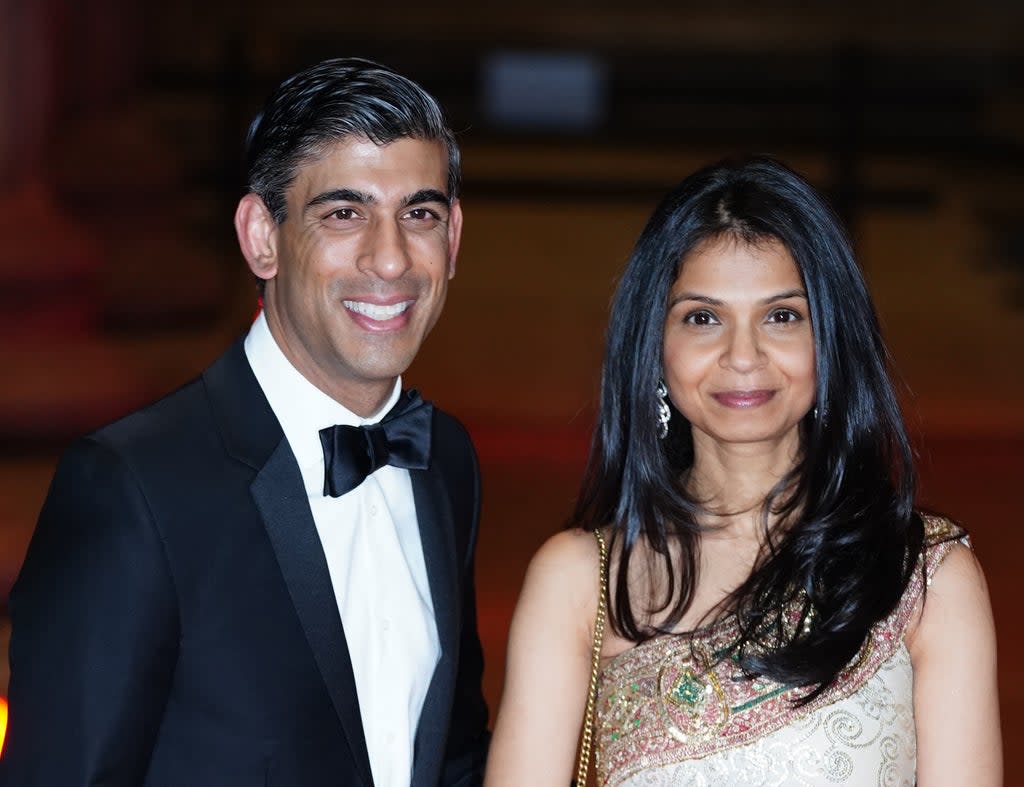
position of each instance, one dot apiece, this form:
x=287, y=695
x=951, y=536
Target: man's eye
x=343, y=213
x=422, y=214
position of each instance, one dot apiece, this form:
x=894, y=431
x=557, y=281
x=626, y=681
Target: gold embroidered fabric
x=670, y=712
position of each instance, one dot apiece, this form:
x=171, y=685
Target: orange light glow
x=3, y=724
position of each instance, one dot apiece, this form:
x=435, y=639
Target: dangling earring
x=821, y=414
x=664, y=414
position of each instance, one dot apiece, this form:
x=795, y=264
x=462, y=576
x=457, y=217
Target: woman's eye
x=700, y=318
x=783, y=316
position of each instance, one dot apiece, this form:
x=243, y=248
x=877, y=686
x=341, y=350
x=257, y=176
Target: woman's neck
x=732, y=481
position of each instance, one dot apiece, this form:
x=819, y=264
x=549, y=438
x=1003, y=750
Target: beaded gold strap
x=583, y=766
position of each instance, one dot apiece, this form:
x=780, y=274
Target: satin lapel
x=281, y=498
x=434, y=513
x=253, y=435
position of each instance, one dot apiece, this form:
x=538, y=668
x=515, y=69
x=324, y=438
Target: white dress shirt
x=371, y=539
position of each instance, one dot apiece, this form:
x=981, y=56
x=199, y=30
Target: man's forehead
x=405, y=165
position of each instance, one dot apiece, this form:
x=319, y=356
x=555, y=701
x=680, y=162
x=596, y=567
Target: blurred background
x=121, y=130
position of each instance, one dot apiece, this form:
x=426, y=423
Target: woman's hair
x=846, y=537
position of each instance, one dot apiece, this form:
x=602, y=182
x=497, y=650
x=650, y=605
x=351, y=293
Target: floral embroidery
x=670, y=700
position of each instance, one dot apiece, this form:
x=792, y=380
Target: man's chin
x=372, y=374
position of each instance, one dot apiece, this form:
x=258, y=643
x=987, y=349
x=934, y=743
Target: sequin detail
x=671, y=711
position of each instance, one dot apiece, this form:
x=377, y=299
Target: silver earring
x=664, y=414
x=821, y=414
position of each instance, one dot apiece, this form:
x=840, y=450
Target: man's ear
x=257, y=236
x=454, y=235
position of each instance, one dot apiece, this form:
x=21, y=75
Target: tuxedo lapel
x=434, y=514
x=281, y=498
x=253, y=435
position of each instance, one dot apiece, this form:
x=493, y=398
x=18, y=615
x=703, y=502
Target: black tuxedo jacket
x=174, y=623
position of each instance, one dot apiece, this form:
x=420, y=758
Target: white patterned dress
x=665, y=718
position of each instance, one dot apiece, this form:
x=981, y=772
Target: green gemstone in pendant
x=689, y=690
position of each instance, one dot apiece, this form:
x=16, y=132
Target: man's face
x=361, y=264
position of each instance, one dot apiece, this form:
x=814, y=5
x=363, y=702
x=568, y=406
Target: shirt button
x=386, y=624
x=373, y=510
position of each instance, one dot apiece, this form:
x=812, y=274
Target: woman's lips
x=743, y=398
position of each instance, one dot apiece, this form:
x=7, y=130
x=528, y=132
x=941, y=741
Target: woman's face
x=738, y=347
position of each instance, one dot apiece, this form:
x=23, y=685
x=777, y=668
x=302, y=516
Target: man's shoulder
x=451, y=437
x=447, y=425
x=452, y=448
x=176, y=419
x=168, y=416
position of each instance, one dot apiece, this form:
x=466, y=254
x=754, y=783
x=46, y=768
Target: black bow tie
x=402, y=439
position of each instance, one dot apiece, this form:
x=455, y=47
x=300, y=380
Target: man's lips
x=379, y=316
x=743, y=398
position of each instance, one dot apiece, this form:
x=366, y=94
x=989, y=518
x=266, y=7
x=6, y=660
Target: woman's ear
x=257, y=236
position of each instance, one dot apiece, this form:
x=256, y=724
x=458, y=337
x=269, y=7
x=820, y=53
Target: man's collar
x=302, y=408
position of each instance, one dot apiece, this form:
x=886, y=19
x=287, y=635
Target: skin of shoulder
x=548, y=669
x=956, y=704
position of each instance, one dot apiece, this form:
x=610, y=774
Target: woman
x=752, y=478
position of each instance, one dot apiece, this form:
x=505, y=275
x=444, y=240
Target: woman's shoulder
x=941, y=529
x=950, y=578
x=945, y=543
x=561, y=589
x=569, y=556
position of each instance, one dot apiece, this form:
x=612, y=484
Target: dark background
x=121, y=133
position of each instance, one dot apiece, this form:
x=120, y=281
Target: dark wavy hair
x=334, y=100
x=846, y=537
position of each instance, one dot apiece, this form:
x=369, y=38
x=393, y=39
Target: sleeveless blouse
x=670, y=711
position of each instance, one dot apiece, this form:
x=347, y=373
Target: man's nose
x=385, y=253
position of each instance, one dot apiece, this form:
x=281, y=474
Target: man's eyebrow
x=341, y=195
x=427, y=195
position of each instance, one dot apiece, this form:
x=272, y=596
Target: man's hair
x=331, y=101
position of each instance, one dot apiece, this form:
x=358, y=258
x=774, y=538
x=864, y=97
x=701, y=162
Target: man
x=237, y=586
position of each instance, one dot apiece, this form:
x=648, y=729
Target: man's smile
x=376, y=311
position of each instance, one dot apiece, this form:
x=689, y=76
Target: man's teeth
x=375, y=311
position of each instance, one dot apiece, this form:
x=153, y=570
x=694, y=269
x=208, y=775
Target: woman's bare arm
x=548, y=669
x=956, y=703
